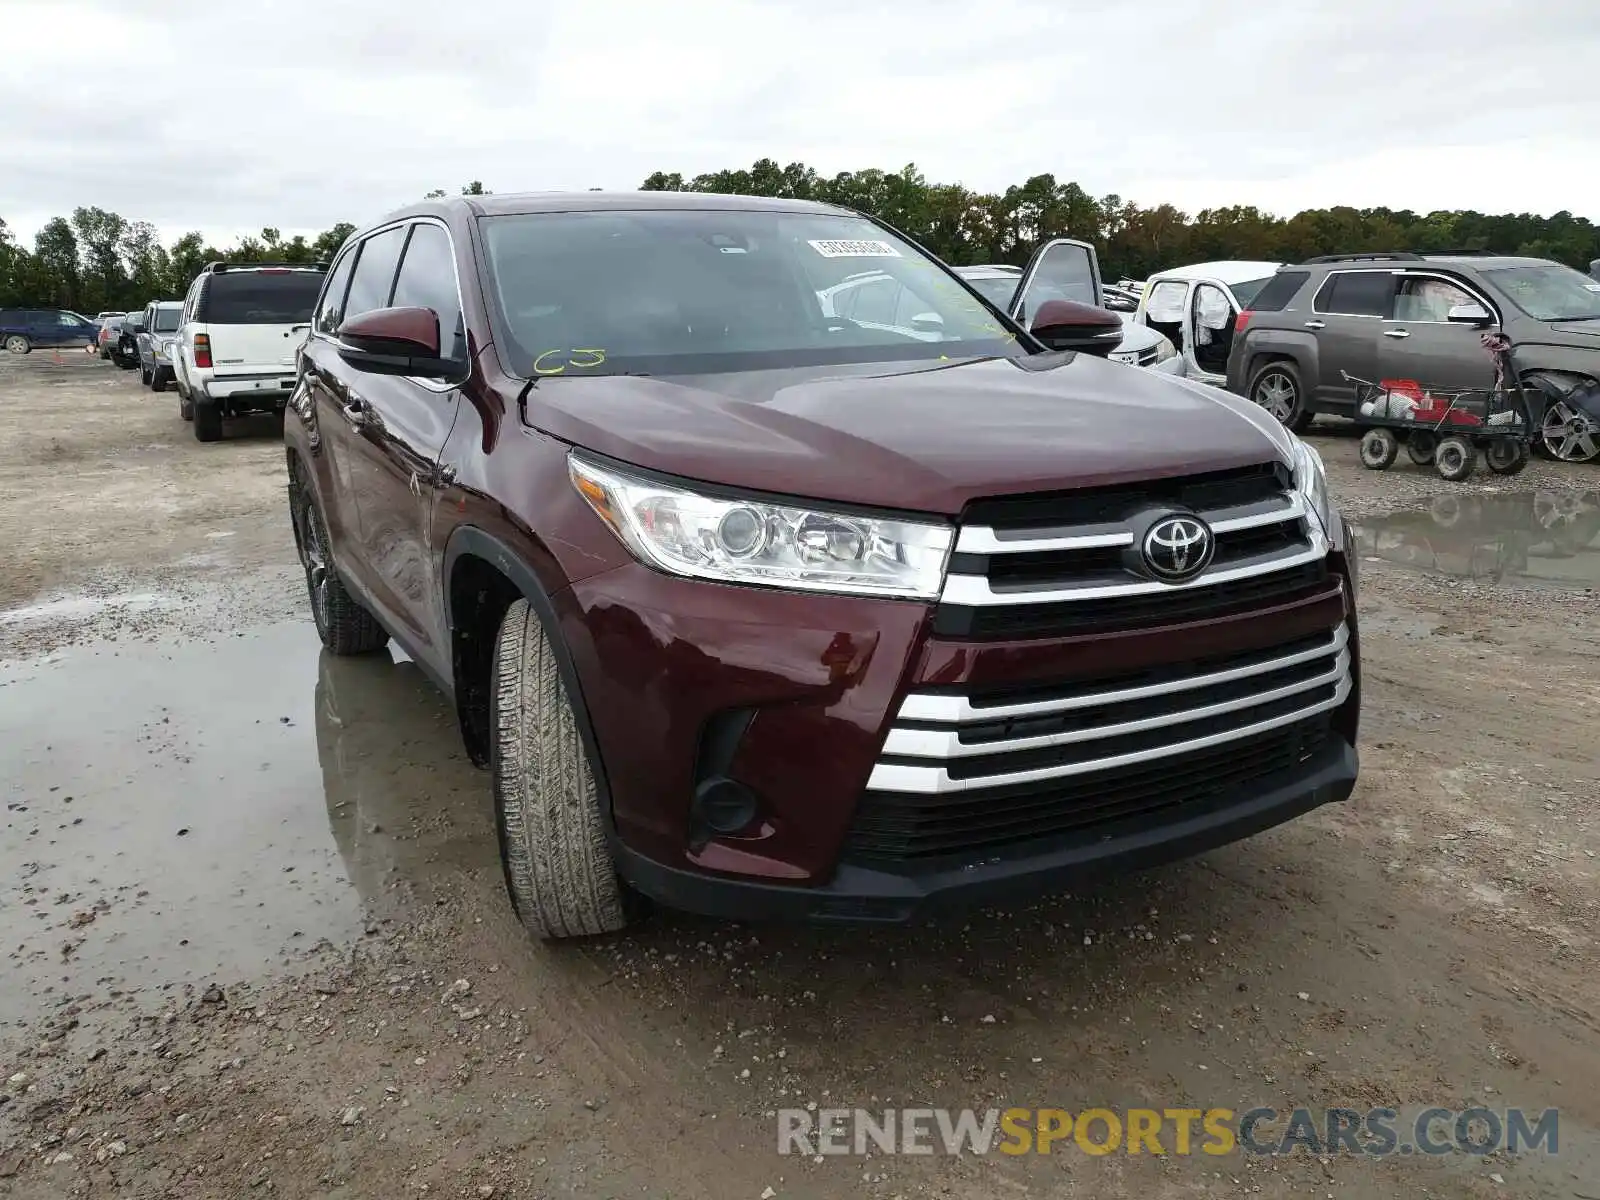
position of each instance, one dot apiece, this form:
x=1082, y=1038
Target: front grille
x=925, y=831
x=944, y=741
x=1066, y=563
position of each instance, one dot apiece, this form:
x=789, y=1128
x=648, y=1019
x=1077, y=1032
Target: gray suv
x=1419, y=317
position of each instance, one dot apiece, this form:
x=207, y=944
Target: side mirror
x=137, y=327
x=928, y=323
x=1070, y=325
x=395, y=341
x=1469, y=314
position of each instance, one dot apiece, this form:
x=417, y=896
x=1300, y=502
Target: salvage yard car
x=763, y=612
x=242, y=326
x=23, y=329
x=1407, y=316
x=1197, y=307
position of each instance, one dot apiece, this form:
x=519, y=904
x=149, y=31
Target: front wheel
x=552, y=834
x=1455, y=458
x=1568, y=433
x=1276, y=387
x=1378, y=449
x=17, y=344
x=158, y=379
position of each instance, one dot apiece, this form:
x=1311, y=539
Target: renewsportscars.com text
x=1376, y=1132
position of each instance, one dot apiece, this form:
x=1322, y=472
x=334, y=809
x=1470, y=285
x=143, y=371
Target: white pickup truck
x=242, y=326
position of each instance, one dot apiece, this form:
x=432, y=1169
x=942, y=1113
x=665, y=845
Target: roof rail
x=218, y=268
x=1370, y=255
x=1462, y=253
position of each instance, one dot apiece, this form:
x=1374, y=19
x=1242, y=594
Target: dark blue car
x=21, y=329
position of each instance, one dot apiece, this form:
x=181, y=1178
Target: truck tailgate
x=254, y=349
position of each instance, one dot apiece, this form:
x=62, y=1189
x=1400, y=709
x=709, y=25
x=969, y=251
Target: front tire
x=1378, y=449
x=158, y=379
x=343, y=624
x=552, y=834
x=1454, y=458
x=1276, y=387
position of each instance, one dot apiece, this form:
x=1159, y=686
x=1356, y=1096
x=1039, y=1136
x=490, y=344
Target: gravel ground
x=257, y=940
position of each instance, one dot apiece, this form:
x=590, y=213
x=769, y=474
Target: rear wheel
x=1506, y=457
x=344, y=626
x=1420, y=446
x=1378, y=449
x=552, y=834
x=18, y=344
x=1455, y=458
x=1276, y=387
x=207, y=423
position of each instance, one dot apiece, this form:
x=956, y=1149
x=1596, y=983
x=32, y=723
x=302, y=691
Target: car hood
x=915, y=436
x=1136, y=337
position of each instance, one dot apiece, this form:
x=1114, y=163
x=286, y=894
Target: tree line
x=97, y=260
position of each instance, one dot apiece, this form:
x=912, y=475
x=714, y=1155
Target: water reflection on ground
x=1544, y=536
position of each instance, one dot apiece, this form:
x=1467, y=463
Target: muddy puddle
x=1544, y=537
x=187, y=812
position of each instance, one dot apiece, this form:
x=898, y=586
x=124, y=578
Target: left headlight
x=1165, y=349
x=750, y=541
x=1311, y=481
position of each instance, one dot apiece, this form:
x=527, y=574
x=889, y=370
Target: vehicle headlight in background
x=1311, y=481
x=1165, y=349
x=758, y=542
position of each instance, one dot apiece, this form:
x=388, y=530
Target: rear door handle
x=1397, y=333
x=1316, y=324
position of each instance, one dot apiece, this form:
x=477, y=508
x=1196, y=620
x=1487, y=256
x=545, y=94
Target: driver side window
x=1422, y=298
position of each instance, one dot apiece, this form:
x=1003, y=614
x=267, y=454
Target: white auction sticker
x=845, y=248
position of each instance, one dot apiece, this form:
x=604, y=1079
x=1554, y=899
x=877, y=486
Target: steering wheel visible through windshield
x=691, y=291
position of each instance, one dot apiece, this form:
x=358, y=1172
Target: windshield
x=1549, y=291
x=269, y=297
x=700, y=291
x=1245, y=292
x=167, y=319
x=997, y=289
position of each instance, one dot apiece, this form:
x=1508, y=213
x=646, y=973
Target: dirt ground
x=256, y=939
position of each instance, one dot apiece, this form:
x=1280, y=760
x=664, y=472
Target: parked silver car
x=160, y=322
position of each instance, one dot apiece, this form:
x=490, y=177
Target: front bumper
x=863, y=894
x=811, y=688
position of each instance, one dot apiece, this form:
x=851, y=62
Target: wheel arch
x=482, y=578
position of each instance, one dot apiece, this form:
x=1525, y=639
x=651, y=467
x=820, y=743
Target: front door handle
x=1316, y=324
x=1397, y=333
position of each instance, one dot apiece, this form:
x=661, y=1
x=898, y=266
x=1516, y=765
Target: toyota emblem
x=1177, y=548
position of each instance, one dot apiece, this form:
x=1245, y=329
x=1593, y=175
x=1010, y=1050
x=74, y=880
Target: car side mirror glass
x=1071, y=325
x=395, y=341
x=1469, y=314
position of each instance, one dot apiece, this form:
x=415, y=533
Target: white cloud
x=227, y=116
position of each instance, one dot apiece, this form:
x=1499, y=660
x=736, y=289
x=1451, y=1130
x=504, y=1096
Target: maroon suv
x=760, y=610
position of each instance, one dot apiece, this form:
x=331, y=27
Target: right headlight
x=1311, y=481
x=753, y=541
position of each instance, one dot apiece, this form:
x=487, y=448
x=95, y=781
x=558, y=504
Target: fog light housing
x=724, y=806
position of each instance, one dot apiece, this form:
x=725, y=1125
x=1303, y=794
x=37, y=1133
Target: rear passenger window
x=427, y=279
x=1356, y=294
x=331, y=311
x=1280, y=289
x=373, y=280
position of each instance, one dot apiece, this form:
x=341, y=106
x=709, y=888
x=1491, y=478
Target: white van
x=242, y=326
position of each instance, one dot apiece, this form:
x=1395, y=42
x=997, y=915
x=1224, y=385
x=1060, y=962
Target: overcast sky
x=229, y=115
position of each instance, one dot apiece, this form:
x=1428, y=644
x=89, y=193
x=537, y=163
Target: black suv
x=1415, y=316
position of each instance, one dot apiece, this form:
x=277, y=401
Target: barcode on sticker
x=845, y=248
